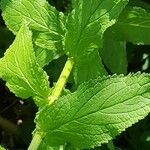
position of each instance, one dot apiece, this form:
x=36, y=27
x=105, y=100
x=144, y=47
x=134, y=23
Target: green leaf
x=98, y=111
x=43, y=146
x=113, y=52
x=85, y=27
x=46, y=22
x=87, y=23
x=89, y=68
x=133, y=26
x=45, y=56
x=20, y=69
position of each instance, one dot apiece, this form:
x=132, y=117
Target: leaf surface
x=45, y=56
x=89, y=68
x=85, y=27
x=134, y=24
x=46, y=22
x=98, y=111
x=20, y=69
x=87, y=23
x=114, y=53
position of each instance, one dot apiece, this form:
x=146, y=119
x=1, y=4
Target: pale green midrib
x=31, y=86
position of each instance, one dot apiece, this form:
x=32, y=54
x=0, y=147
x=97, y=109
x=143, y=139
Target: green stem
x=61, y=81
x=36, y=141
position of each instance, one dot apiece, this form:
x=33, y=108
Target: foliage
x=92, y=37
x=1, y=148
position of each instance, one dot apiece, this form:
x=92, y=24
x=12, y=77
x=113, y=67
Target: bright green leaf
x=87, y=23
x=85, y=27
x=89, y=68
x=44, y=56
x=44, y=19
x=20, y=69
x=98, y=111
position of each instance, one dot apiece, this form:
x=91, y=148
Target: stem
x=61, y=81
x=36, y=141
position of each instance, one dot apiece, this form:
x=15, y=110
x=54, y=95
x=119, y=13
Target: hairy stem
x=35, y=143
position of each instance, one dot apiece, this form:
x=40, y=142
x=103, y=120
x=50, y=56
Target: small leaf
x=20, y=69
x=98, y=111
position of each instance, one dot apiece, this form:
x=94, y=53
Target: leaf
x=133, y=26
x=98, y=111
x=46, y=22
x=85, y=27
x=43, y=146
x=45, y=56
x=89, y=68
x=20, y=69
x=88, y=21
